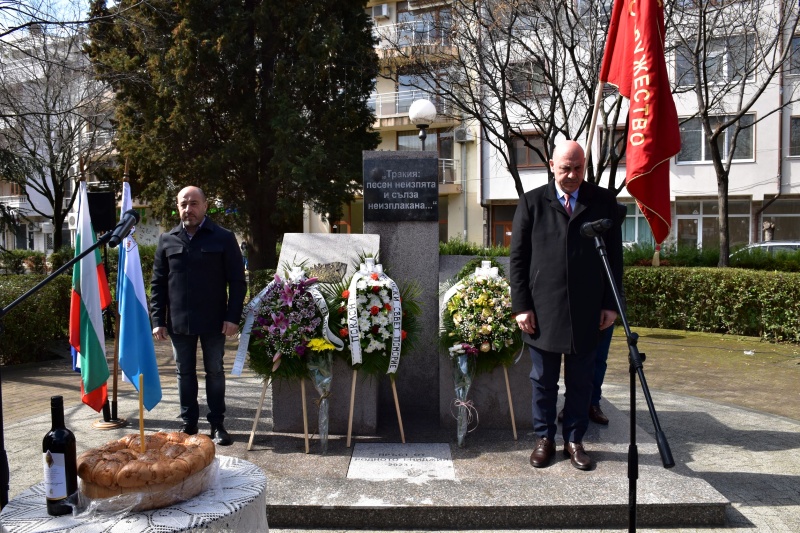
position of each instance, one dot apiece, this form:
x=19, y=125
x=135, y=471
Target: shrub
x=724, y=300
x=13, y=261
x=36, y=262
x=61, y=257
x=457, y=246
x=46, y=313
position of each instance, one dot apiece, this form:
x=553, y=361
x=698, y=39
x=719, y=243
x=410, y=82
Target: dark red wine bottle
x=60, y=465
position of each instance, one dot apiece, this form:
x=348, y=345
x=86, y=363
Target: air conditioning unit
x=463, y=135
x=380, y=12
x=72, y=221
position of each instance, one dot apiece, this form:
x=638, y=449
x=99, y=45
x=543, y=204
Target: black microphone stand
x=4, y=471
x=636, y=367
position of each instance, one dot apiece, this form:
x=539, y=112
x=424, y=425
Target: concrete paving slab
x=494, y=486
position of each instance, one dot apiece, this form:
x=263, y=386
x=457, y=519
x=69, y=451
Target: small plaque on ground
x=417, y=462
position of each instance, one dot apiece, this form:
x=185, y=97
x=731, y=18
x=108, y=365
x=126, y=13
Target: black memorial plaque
x=401, y=190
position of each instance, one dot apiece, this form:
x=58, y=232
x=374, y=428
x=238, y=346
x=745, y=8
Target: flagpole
x=598, y=99
x=109, y=420
x=113, y=422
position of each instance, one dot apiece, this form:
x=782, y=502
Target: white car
x=770, y=247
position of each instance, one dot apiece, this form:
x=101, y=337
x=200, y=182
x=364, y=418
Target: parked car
x=770, y=247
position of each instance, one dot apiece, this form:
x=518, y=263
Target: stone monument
x=401, y=206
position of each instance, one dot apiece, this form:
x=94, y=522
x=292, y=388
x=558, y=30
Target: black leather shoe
x=577, y=456
x=543, y=453
x=220, y=436
x=597, y=415
x=189, y=429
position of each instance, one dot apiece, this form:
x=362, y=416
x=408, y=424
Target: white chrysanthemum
x=361, y=284
x=374, y=345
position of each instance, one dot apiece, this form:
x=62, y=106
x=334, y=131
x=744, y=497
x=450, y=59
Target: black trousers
x=578, y=377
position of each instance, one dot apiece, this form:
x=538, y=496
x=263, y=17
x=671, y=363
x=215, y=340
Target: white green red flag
x=634, y=61
x=90, y=295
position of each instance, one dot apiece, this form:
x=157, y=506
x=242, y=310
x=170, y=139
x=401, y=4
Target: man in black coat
x=561, y=297
x=197, y=293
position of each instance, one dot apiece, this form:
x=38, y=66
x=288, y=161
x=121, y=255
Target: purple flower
x=287, y=295
x=279, y=322
x=300, y=349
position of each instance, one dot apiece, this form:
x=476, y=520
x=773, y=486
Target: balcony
x=391, y=109
x=412, y=33
x=19, y=203
x=449, y=176
x=98, y=140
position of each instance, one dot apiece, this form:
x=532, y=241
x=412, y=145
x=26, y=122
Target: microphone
x=596, y=228
x=129, y=219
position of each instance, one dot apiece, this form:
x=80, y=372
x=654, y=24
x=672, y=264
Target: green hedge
x=724, y=300
x=31, y=327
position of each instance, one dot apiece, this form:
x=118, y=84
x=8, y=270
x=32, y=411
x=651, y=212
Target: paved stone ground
x=716, y=397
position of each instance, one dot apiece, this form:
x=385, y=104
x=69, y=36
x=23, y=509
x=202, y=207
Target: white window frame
x=705, y=158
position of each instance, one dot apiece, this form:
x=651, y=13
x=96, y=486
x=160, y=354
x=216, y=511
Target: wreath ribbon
x=354, y=331
x=295, y=275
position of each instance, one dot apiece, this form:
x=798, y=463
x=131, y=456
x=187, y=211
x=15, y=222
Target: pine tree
x=262, y=103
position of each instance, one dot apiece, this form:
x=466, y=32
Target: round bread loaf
x=164, y=471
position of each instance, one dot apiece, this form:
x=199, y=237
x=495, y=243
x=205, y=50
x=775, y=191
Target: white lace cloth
x=239, y=505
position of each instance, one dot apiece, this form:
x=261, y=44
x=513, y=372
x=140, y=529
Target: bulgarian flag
x=137, y=355
x=634, y=62
x=90, y=295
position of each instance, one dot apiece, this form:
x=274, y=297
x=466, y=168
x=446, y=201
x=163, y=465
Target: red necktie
x=567, y=205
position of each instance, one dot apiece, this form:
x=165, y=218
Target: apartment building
x=53, y=114
x=477, y=192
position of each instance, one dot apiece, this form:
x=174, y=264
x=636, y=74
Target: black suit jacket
x=558, y=273
x=197, y=283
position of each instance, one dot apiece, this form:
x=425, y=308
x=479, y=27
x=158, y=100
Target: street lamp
x=422, y=113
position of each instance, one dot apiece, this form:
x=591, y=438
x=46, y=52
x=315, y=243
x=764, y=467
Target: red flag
x=634, y=62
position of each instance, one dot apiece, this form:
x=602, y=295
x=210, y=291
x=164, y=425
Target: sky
x=13, y=13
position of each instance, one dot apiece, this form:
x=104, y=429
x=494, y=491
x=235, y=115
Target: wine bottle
x=60, y=465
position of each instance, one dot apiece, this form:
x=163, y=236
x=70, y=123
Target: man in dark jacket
x=197, y=293
x=560, y=296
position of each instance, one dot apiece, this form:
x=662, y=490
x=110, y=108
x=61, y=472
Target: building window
x=423, y=27
x=695, y=148
x=784, y=213
x=21, y=237
x=698, y=222
x=635, y=227
x=526, y=156
x=526, y=79
x=439, y=141
x=617, y=144
x=794, y=60
x=727, y=59
x=502, y=218
x=408, y=141
x=794, y=136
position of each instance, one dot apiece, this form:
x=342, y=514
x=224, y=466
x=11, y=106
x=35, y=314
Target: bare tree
x=53, y=114
x=525, y=71
x=728, y=56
